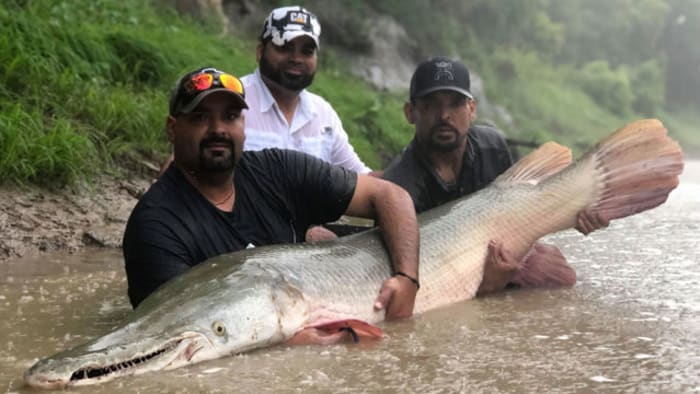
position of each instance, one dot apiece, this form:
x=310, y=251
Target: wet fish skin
x=261, y=297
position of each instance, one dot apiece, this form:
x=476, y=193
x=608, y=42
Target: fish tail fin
x=638, y=165
x=538, y=165
x=632, y=170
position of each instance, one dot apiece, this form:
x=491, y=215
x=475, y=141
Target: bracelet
x=412, y=279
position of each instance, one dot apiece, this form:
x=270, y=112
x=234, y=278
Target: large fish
x=264, y=296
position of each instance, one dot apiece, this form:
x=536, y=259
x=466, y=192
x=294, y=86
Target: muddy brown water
x=630, y=325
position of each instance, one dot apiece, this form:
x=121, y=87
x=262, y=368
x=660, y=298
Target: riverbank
x=34, y=221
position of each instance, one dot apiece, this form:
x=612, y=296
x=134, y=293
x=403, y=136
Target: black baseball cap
x=440, y=73
x=194, y=86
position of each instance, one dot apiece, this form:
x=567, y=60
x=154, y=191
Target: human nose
x=443, y=112
x=216, y=123
x=295, y=55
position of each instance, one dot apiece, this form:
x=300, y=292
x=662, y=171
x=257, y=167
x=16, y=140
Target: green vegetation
x=84, y=83
x=84, y=87
x=374, y=121
x=572, y=70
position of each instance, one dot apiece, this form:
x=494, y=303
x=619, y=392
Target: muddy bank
x=35, y=221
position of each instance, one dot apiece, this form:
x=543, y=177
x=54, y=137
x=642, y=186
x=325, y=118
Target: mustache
x=217, y=139
x=443, y=125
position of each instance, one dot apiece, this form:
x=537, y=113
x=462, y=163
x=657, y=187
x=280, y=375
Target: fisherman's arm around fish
x=392, y=208
x=215, y=199
x=543, y=266
x=393, y=211
x=451, y=157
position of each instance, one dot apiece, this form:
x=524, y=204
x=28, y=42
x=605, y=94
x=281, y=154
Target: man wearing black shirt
x=449, y=158
x=214, y=198
x=485, y=156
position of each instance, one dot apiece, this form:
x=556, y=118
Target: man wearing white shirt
x=282, y=113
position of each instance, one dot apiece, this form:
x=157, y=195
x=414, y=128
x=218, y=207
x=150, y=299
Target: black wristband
x=412, y=279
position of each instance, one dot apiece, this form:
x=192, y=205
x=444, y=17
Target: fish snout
x=39, y=380
x=119, y=360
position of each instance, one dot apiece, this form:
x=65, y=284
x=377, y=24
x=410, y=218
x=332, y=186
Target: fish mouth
x=170, y=354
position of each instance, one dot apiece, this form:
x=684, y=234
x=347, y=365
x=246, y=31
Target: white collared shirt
x=316, y=128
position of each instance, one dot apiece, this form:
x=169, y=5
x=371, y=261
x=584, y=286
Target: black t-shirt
x=279, y=193
x=485, y=157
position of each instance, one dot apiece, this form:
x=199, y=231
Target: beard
x=219, y=160
x=288, y=81
x=438, y=144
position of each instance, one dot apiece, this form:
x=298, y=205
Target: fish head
x=86, y=365
x=181, y=326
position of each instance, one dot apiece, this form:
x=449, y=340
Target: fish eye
x=219, y=328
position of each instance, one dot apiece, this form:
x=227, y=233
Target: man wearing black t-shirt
x=214, y=198
x=449, y=158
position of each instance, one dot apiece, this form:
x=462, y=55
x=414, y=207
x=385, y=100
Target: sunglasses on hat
x=193, y=88
x=207, y=79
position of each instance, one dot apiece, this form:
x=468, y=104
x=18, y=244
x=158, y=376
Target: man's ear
x=408, y=112
x=259, y=51
x=472, y=110
x=169, y=125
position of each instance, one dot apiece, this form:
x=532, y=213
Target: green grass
x=374, y=121
x=84, y=86
x=86, y=83
x=51, y=153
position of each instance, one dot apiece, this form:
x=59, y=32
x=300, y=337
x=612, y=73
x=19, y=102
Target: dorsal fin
x=540, y=164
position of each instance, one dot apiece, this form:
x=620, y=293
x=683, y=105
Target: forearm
x=396, y=218
x=392, y=209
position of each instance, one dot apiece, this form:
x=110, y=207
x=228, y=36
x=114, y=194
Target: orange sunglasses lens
x=232, y=83
x=202, y=81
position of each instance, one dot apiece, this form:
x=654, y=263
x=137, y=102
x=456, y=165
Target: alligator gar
x=264, y=296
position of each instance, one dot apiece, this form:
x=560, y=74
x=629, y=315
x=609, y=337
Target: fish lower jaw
x=172, y=354
x=40, y=382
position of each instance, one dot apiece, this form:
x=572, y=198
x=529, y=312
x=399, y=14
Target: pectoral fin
x=335, y=332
